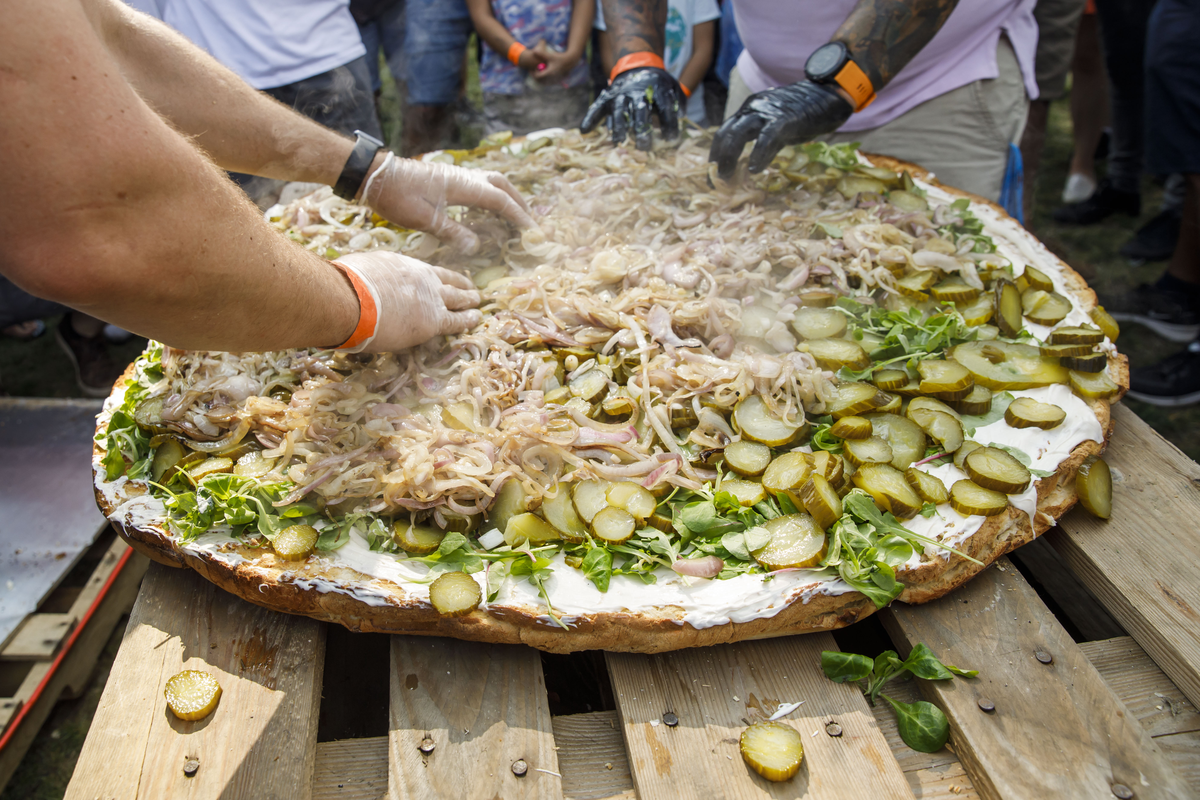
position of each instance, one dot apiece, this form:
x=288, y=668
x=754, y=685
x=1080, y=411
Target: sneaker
x=1169, y=315
x=1174, y=381
x=1155, y=241
x=1078, y=188
x=1103, y=203
x=95, y=372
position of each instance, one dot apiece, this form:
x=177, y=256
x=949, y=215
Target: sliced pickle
x=969, y=498
x=833, y=354
x=986, y=333
x=167, y=455
x=1010, y=317
x=872, y=450
x=1082, y=334
x=797, y=541
x=928, y=487
x=454, y=594
x=748, y=458
x=945, y=377
x=773, y=749
x=661, y=521
x=852, y=399
x=851, y=428
x=529, y=528
x=942, y=427
x=1093, y=483
x=893, y=405
x=633, y=498
x=906, y=437
x=252, y=465
x=917, y=284
x=1065, y=350
x=417, y=540
x=1025, y=412
x=1007, y=365
x=747, y=492
x=1096, y=362
x=818, y=298
x=851, y=186
x=933, y=404
x=910, y=389
x=819, y=323
x=589, y=499
x=786, y=473
x=1105, y=322
x=889, y=380
x=210, y=466
x=757, y=423
x=459, y=523
x=993, y=468
x=188, y=461
x=193, y=695
x=295, y=542
x=980, y=311
x=1038, y=279
x=954, y=290
x=821, y=501
x=960, y=455
x=828, y=464
x=888, y=488
x=975, y=404
x=591, y=386
x=1045, y=308
x=560, y=512
x=459, y=416
x=1093, y=385
x=510, y=501
x=148, y=416
x=613, y=525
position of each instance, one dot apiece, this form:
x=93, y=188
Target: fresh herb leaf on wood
x=922, y=725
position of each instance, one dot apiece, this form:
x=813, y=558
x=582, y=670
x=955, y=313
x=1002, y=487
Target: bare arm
x=495, y=34
x=583, y=12
x=704, y=37
x=884, y=35
x=110, y=211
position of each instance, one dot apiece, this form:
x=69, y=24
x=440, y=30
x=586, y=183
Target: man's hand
x=630, y=100
x=414, y=301
x=416, y=194
x=788, y=115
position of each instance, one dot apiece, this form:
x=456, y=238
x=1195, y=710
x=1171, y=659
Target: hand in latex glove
x=629, y=101
x=791, y=114
x=416, y=194
x=413, y=301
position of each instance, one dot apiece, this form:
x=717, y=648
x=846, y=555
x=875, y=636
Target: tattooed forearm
x=884, y=35
x=636, y=25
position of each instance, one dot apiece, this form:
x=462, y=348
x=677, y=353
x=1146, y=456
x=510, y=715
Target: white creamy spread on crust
x=703, y=603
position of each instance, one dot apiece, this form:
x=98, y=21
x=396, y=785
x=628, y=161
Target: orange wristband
x=368, y=312
x=857, y=84
x=686, y=93
x=514, y=52
x=633, y=60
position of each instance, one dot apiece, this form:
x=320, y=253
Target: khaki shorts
x=961, y=136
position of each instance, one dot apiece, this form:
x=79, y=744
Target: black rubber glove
x=629, y=101
x=791, y=114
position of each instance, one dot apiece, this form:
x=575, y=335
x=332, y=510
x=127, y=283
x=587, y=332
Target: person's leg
x=962, y=136
x=81, y=338
x=1089, y=109
x=435, y=38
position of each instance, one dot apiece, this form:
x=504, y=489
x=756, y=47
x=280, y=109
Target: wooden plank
x=1183, y=751
x=351, y=769
x=1144, y=688
x=483, y=707
x=1142, y=563
x=261, y=740
x=39, y=637
x=1058, y=729
x=716, y=692
x=1078, y=605
x=591, y=755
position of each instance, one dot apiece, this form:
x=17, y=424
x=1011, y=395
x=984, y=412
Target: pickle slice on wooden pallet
x=1025, y=412
x=1093, y=483
x=192, y=694
x=772, y=749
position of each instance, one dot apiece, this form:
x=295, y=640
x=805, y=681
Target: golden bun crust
x=363, y=603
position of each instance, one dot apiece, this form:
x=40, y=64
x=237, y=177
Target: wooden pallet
x=1115, y=717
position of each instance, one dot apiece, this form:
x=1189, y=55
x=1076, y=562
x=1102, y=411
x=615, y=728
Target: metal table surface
x=48, y=513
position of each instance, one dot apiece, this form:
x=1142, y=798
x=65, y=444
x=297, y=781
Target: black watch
x=357, y=165
x=832, y=64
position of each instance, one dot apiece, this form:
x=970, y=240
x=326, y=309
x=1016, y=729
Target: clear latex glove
x=412, y=301
x=416, y=194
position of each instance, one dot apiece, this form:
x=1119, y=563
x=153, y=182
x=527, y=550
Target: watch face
x=826, y=60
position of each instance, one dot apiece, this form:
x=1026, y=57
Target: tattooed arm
x=636, y=26
x=884, y=35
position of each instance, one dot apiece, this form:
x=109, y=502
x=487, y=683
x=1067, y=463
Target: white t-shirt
x=682, y=17
x=266, y=42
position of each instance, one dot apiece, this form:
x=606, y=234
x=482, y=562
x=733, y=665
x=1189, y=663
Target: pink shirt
x=781, y=34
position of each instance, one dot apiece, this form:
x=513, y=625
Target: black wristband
x=357, y=165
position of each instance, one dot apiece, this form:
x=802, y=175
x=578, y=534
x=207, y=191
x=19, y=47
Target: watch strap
x=856, y=83
x=357, y=166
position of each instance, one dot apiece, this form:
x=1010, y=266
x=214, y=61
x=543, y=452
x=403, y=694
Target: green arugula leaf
x=597, y=567
x=845, y=667
x=924, y=664
x=840, y=156
x=822, y=439
x=922, y=725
